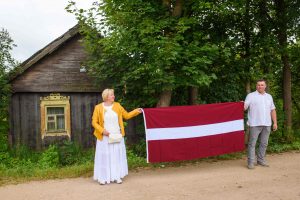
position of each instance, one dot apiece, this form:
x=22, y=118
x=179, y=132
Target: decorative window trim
x=55, y=100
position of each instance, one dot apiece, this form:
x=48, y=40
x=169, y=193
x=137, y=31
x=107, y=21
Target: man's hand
x=275, y=127
x=274, y=119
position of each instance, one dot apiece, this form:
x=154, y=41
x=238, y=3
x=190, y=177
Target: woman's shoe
x=102, y=183
x=119, y=181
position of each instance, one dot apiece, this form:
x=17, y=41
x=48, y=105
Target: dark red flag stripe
x=182, y=116
x=193, y=148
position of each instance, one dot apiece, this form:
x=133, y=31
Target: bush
x=135, y=161
x=50, y=157
x=4, y=158
x=69, y=153
x=139, y=149
x=278, y=148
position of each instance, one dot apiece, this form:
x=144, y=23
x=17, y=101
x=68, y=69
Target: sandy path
x=217, y=180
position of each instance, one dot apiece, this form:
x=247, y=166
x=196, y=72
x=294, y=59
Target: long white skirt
x=110, y=161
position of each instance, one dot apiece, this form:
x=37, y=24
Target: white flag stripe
x=194, y=131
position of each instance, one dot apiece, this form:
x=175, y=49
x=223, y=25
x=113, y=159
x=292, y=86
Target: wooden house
x=53, y=97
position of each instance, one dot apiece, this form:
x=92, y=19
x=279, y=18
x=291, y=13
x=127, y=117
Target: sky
x=33, y=24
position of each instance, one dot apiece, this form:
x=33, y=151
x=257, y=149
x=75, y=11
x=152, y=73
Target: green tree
x=6, y=64
x=148, y=49
x=163, y=52
x=287, y=18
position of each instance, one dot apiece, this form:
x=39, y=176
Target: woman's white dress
x=110, y=159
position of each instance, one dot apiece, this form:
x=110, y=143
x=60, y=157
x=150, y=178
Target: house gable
x=59, y=70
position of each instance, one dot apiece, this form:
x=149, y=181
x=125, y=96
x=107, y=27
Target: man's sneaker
x=250, y=166
x=263, y=164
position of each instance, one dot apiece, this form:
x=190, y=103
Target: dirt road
x=217, y=180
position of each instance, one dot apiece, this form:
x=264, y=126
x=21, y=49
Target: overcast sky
x=32, y=24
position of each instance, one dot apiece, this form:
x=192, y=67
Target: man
x=261, y=111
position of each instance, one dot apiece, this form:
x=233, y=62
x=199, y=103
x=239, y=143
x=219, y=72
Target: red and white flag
x=190, y=132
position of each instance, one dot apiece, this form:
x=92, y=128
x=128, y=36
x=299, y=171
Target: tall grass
x=69, y=161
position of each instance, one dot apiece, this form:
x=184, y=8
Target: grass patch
x=279, y=148
x=69, y=161
x=24, y=174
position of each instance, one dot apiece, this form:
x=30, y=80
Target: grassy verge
x=70, y=161
x=21, y=174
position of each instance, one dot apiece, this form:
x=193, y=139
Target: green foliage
x=135, y=161
x=6, y=46
x=144, y=50
x=279, y=148
x=69, y=153
x=140, y=48
x=139, y=149
x=294, y=52
x=68, y=160
x=24, y=165
x=6, y=63
x=3, y=137
x=50, y=157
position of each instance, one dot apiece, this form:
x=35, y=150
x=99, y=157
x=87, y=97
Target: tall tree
x=6, y=63
x=148, y=48
x=283, y=26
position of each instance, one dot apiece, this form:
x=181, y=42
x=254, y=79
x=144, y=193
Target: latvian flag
x=190, y=132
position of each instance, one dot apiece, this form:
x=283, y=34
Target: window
x=55, y=119
x=55, y=116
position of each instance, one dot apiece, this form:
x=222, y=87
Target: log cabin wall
x=55, y=69
x=57, y=72
x=25, y=119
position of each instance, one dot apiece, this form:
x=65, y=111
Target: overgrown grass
x=279, y=148
x=70, y=161
x=24, y=173
x=67, y=161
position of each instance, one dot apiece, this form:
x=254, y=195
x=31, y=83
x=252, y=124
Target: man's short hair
x=261, y=80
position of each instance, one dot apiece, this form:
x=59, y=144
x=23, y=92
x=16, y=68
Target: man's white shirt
x=260, y=107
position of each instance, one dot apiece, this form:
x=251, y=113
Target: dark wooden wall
x=25, y=119
x=57, y=72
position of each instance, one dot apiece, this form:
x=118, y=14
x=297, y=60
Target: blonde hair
x=106, y=92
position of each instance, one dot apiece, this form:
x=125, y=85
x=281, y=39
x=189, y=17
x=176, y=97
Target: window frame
x=55, y=118
x=55, y=100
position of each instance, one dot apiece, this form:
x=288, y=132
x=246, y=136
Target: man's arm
x=274, y=119
x=247, y=102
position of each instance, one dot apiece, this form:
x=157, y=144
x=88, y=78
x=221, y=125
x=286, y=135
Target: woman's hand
x=140, y=110
x=105, y=132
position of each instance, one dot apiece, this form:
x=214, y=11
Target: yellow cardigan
x=98, y=118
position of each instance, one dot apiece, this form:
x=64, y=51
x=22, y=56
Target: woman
x=110, y=158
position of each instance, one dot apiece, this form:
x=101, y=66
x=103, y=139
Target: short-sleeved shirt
x=260, y=107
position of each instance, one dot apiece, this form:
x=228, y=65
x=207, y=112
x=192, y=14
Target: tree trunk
x=193, y=95
x=164, y=99
x=287, y=92
x=264, y=33
x=247, y=46
x=166, y=3
x=248, y=87
x=177, y=12
x=287, y=76
x=165, y=96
